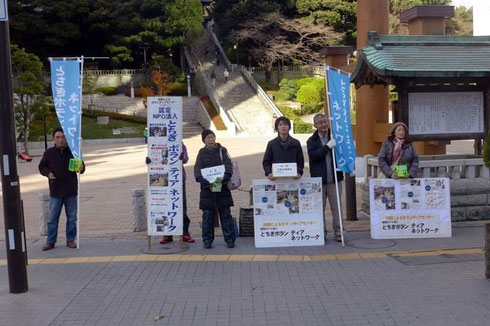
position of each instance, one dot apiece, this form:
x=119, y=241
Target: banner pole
x=80, y=150
x=333, y=158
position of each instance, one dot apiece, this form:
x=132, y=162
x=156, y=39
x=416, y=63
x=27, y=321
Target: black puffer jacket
x=207, y=158
x=275, y=153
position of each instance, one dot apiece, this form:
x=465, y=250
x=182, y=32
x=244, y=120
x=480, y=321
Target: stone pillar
x=371, y=102
x=44, y=199
x=487, y=250
x=427, y=20
x=139, y=210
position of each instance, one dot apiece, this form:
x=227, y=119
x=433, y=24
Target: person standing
x=210, y=199
x=213, y=78
x=398, y=149
x=320, y=146
x=63, y=189
x=226, y=74
x=283, y=149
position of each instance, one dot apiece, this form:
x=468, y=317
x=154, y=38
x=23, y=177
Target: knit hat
x=205, y=133
x=396, y=124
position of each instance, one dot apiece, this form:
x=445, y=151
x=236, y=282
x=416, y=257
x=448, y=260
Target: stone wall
x=470, y=199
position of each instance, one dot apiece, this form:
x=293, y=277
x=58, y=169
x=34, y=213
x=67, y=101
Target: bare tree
x=274, y=39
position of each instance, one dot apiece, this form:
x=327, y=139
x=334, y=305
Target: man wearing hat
x=211, y=198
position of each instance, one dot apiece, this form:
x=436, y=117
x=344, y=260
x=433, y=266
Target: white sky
x=466, y=3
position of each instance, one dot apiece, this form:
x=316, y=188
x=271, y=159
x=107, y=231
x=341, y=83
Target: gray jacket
x=409, y=156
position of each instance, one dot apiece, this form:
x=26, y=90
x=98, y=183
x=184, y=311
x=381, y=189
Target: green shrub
x=290, y=87
x=308, y=80
x=310, y=108
x=113, y=115
x=268, y=86
x=177, y=89
x=300, y=127
x=280, y=96
x=108, y=90
x=309, y=94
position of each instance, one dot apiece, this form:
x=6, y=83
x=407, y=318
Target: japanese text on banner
x=338, y=92
x=65, y=82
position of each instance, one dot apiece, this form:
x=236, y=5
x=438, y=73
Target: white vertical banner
x=165, y=193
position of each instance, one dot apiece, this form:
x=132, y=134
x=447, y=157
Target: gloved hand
x=331, y=143
x=147, y=160
x=203, y=182
x=51, y=176
x=226, y=178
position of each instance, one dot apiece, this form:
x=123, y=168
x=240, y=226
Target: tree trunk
x=268, y=74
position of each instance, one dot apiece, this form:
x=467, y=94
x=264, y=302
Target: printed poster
x=165, y=170
x=288, y=213
x=410, y=208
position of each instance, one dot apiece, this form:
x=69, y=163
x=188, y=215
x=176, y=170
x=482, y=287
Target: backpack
x=235, y=180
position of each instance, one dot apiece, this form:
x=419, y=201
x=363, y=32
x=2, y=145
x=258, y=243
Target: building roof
x=390, y=57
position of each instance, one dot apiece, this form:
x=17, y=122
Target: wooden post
x=487, y=250
x=149, y=243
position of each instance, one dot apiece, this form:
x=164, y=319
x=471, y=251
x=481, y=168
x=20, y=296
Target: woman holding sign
x=283, y=149
x=397, y=157
x=213, y=169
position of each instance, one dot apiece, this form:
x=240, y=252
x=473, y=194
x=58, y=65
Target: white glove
x=331, y=143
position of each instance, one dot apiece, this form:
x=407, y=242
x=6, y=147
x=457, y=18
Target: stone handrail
x=203, y=81
x=453, y=167
x=232, y=126
x=220, y=49
x=260, y=92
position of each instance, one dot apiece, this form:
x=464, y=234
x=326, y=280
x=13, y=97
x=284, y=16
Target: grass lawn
x=90, y=128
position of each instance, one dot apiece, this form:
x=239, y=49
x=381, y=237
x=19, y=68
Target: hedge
x=113, y=115
x=108, y=90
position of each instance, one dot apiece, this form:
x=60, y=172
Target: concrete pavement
x=112, y=281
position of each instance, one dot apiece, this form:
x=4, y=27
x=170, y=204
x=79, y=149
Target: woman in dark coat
x=213, y=154
x=283, y=149
x=398, y=148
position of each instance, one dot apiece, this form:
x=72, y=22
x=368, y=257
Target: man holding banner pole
x=322, y=164
x=337, y=134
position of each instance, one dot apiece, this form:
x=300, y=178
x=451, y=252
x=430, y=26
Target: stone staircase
x=241, y=103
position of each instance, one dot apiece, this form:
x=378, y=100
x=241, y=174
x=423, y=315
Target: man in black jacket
x=320, y=147
x=63, y=189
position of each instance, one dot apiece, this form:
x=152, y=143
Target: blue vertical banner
x=338, y=92
x=66, y=85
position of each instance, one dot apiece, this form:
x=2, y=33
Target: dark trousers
x=226, y=224
x=187, y=221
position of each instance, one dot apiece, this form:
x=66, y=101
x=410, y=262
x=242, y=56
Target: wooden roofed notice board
x=438, y=113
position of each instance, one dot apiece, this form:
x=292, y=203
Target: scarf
x=397, y=151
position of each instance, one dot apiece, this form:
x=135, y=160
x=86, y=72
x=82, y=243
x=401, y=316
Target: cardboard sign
x=212, y=173
x=284, y=170
x=410, y=208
